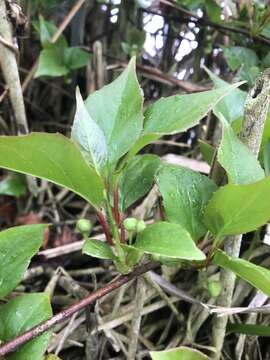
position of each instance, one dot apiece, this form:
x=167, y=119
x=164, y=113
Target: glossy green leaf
x=185, y=194
x=235, y=157
x=181, y=353
x=257, y=276
x=52, y=157
x=137, y=179
x=13, y=185
x=88, y=136
x=168, y=239
x=117, y=109
x=249, y=329
x=237, y=209
x=17, y=246
x=98, y=249
x=178, y=113
x=232, y=105
x=21, y=314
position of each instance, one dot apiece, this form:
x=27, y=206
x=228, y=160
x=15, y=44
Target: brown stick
x=13, y=345
x=54, y=38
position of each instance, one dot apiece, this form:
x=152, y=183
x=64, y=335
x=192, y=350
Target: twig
x=136, y=320
x=217, y=26
x=54, y=38
x=256, y=108
x=12, y=345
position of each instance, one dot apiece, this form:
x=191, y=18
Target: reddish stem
x=105, y=228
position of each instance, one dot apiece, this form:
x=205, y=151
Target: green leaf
x=181, y=353
x=213, y=10
x=132, y=255
x=257, y=276
x=235, y=157
x=98, y=249
x=117, y=109
x=51, y=63
x=137, y=179
x=89, y=136
x=244, y=58
x=249, y=329
x=237, y=56
x=237, y=209
x=21, y=314
x=207, y=151
x=75, y=58
x=185, y=194
x=266, y=158
x=46, y=30
x=13, y=185
x=52, y=157
x=232, y=105
x=17, y=246
x=168, y=239
x=178, y=113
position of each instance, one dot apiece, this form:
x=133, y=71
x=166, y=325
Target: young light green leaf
x=88, y=136
x=137, y=179
x=257, y=276
x=21, y=314
x=237, y=209
x=13, y=185
x=52, y=157
x=178, y=113
x=181, y=353
x=232, y=105
x=168, y=239
x=117, y=109
x=17, y=246
x=98, y=249
x=185, y=194
x=235, y=157
x=51, y=63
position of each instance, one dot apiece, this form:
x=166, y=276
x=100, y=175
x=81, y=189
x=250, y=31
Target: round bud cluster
x=84, y=226
x=132, y=224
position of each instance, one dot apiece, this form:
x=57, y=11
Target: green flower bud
x=130, y=224
x=140, y=226
x=84, y=226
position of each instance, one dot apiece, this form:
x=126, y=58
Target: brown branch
x=217, y=26
x=39, y=329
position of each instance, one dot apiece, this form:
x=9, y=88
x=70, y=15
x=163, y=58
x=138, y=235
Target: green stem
x=114, y=228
